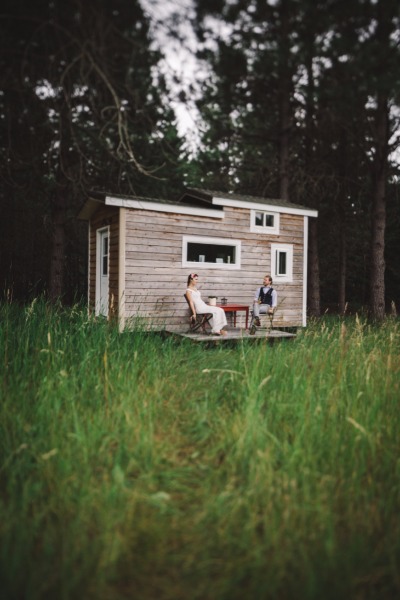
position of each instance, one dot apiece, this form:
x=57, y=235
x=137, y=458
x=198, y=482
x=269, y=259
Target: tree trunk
x=284, y=149
x=386, y=13
x=285, y=90
x=313, y=282
x=57, y=263
x=342, y=269
x=314, y=308
x=342, y=224
x=378, y=225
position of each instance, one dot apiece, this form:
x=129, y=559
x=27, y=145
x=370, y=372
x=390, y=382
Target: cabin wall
x=104, y=217
x=155, y=280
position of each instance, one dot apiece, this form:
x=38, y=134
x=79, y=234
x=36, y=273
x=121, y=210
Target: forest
x=301, y=102
x=139, y=465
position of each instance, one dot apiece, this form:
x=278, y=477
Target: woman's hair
x=191, y=276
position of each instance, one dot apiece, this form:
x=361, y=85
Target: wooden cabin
x=141, y=251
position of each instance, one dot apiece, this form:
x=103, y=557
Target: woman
x=197, y=306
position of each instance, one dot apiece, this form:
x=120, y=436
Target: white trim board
x=168, y=208
x=265, y=207
x=305, y=270
x=121, y=268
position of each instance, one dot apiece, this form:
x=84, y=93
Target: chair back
x=200, y=322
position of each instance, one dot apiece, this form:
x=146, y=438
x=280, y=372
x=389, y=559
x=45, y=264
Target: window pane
x=211, y=253
x=104, y=258
x=269, y=220
x=281, y=263
x=259, y=219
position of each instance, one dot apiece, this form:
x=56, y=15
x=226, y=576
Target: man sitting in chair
x=265, y=300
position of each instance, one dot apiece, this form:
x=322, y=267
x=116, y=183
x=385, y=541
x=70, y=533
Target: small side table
x=235, y=308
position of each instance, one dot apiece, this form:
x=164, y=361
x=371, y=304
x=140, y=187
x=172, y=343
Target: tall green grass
x=137, y=466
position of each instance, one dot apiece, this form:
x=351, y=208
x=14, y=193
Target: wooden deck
x=236, y=335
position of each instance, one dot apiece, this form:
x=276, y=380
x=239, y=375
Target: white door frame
x=102, y=270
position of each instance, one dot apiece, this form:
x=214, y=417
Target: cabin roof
x=195, y=207
x=202, y=202
x=227, y=198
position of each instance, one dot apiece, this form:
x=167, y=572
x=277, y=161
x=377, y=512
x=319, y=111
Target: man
x=265, y=300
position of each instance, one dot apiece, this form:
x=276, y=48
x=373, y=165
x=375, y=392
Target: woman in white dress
x=198, y=306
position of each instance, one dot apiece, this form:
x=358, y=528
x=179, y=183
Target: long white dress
x=218, y=320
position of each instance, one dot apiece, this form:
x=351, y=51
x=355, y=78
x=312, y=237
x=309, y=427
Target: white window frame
x=186, y=239
x=288, y=250
x=264, y=229
x=99, y=253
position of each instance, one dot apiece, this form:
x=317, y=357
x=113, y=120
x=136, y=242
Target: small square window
x=264, y=222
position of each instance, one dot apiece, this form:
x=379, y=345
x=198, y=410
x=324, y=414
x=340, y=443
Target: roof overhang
x=215, y=198
x=306, y=212
x=89, y=208
x=164, y=207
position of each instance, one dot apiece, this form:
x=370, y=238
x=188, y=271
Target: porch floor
x=236, y=334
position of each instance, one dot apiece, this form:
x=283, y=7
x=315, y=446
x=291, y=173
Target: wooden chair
x=270, y=314
x=200, y=322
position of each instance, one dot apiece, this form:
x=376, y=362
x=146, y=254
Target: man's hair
x=269, y=277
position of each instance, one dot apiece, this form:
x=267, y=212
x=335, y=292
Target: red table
x=236, y=308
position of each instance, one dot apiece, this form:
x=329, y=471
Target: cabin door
x=103, y=237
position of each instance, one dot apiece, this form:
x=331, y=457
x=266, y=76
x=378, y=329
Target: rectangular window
x=213, y=253
x=264, y=222
x=104, y=256
x=282, y=262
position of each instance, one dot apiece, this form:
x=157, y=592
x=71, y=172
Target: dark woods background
x=302, y=102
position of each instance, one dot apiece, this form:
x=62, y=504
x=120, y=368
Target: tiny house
x=141, y=251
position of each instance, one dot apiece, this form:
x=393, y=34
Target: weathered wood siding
x=105, y=217
x=155, y=280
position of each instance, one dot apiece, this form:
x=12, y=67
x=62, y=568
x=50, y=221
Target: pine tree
x=298, y=87
x=83, y=112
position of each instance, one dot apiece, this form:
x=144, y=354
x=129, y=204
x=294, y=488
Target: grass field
x=137, y=467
